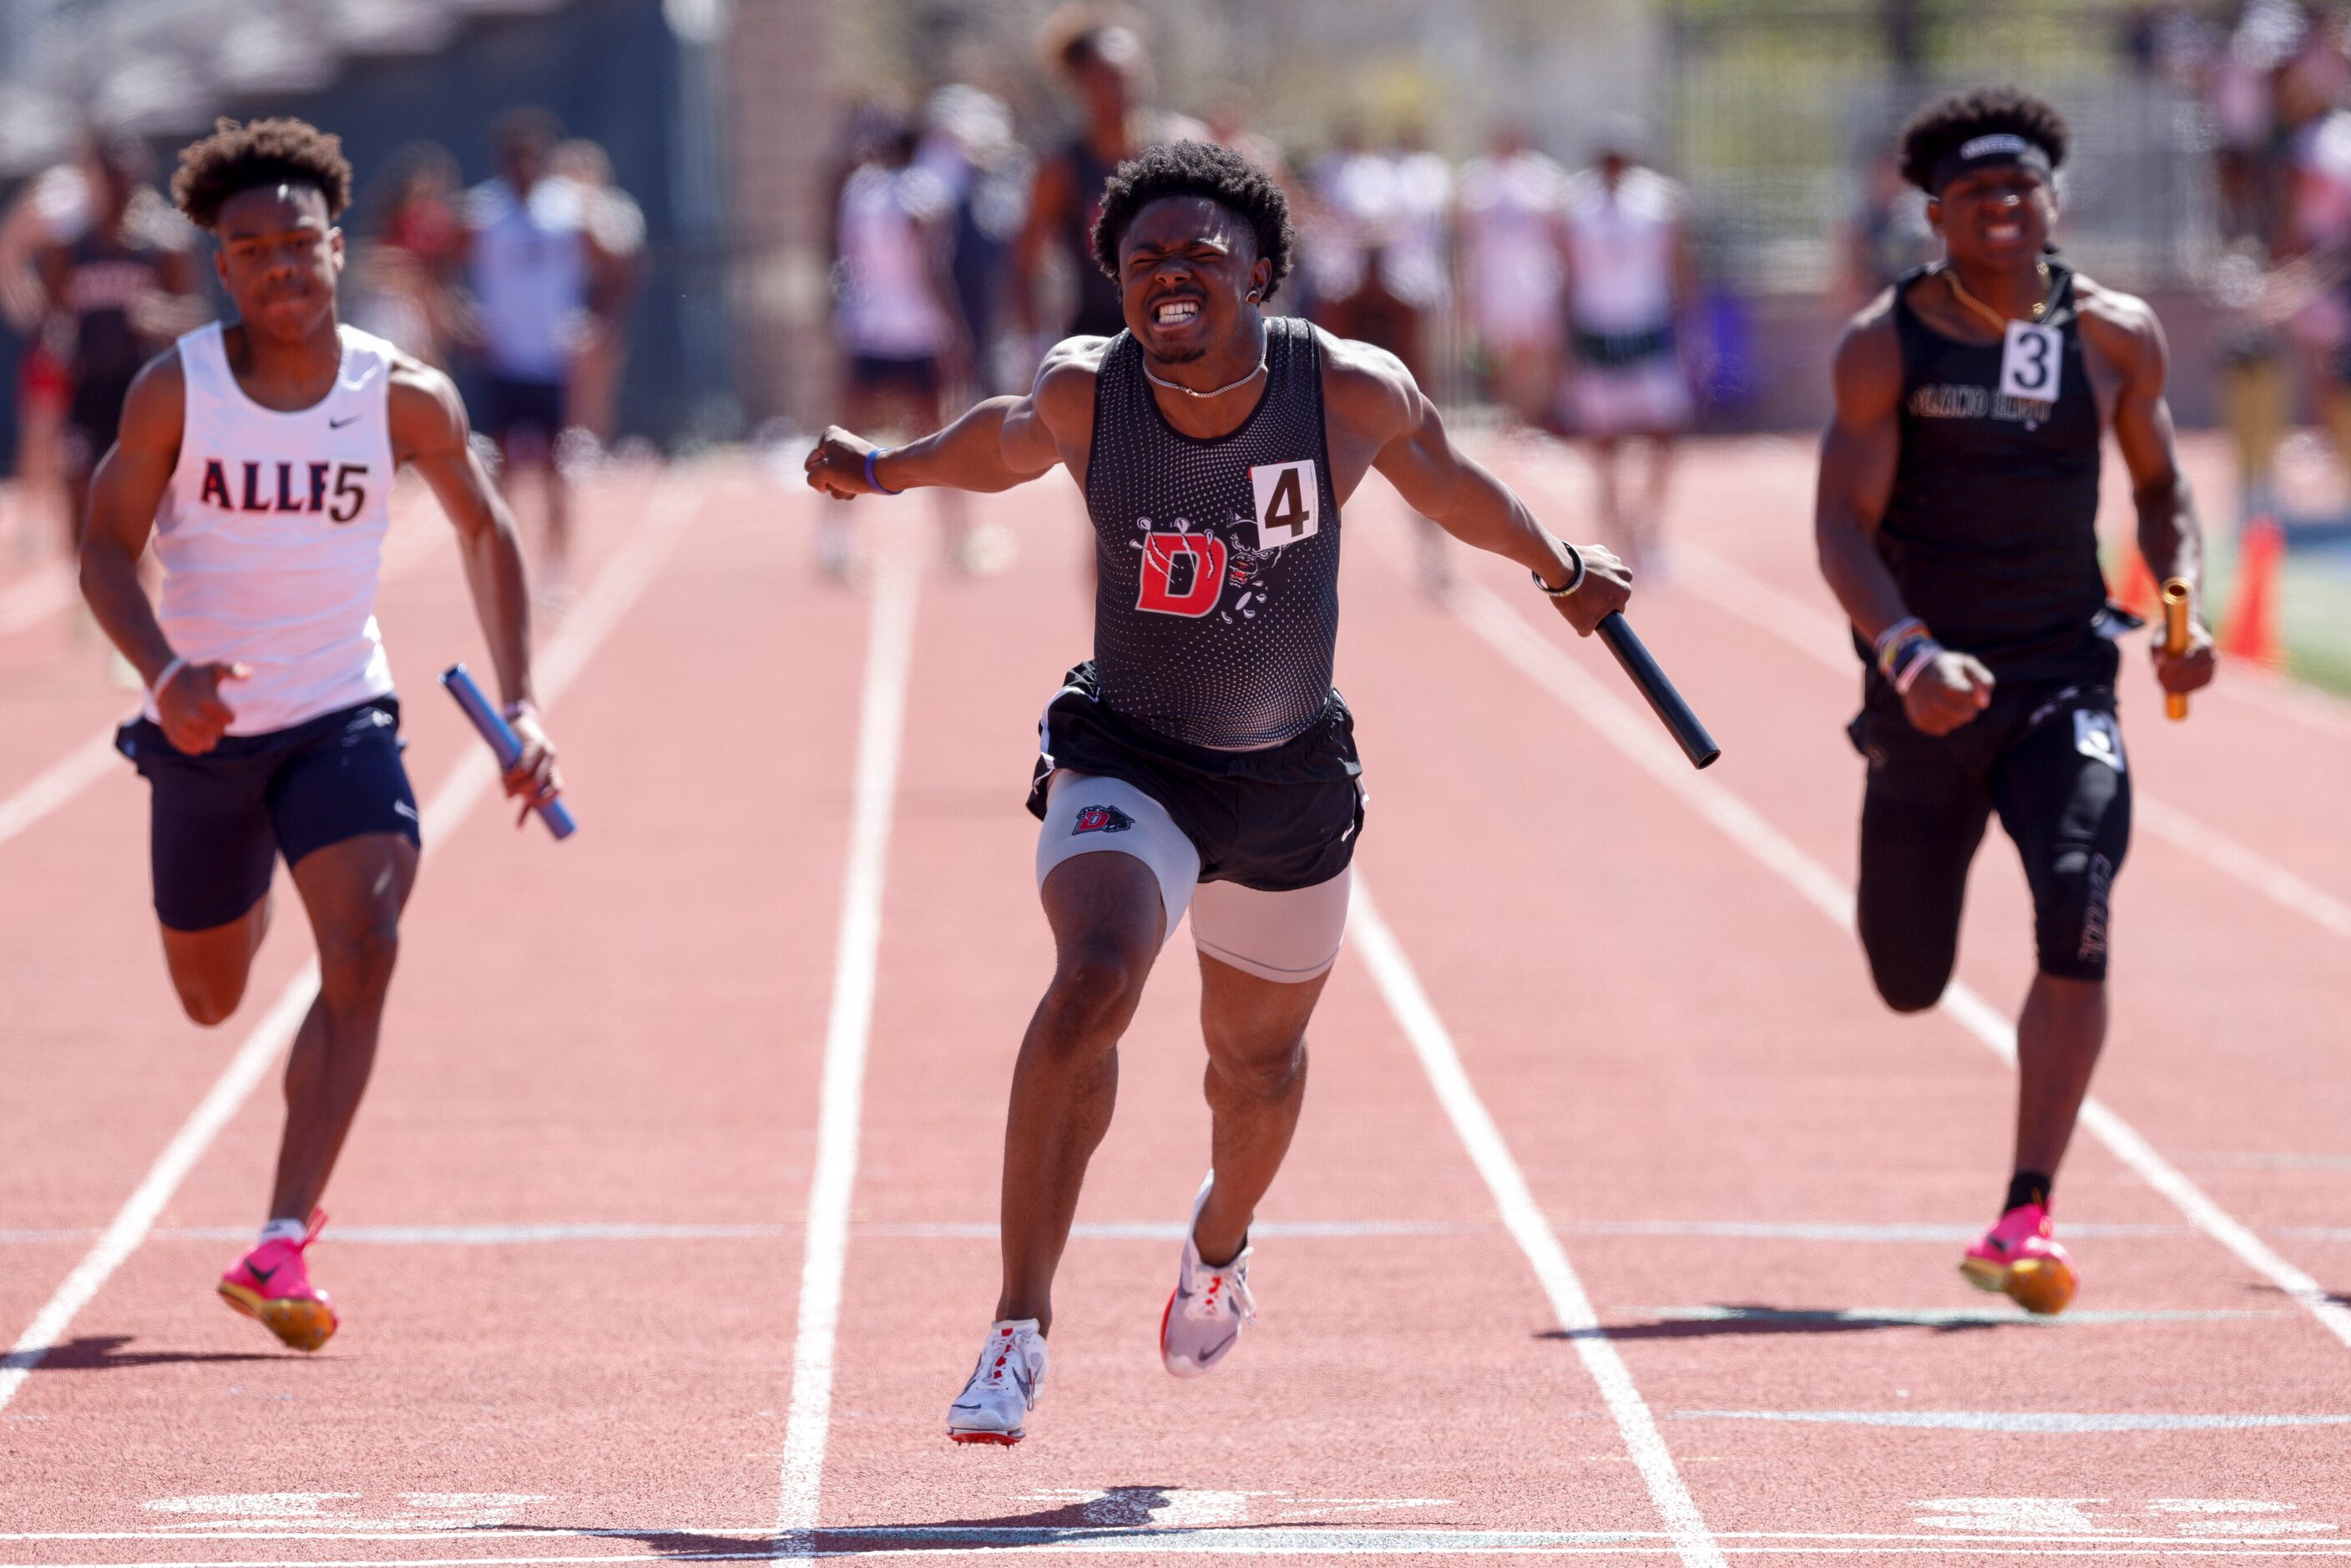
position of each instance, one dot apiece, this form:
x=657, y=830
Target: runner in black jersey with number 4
x=1204, y=742
x=1957, y=502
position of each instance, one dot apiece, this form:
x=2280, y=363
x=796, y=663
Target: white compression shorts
x=1286, y=937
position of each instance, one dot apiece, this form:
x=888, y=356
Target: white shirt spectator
x=1510, y=214
x=529, y=273
x=889, y=307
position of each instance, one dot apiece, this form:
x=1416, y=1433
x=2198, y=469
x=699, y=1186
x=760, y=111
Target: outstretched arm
x=1859, y=454
x=2169, y=537
x=430, y=431
x=999, y=443
x=1452, y=489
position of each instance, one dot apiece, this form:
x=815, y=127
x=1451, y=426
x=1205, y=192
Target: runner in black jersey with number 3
x=1957, y=502
x=1204, y=742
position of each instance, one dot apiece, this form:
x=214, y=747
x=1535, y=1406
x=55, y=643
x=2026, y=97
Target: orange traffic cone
x=2135, y=587
x=2252, y=631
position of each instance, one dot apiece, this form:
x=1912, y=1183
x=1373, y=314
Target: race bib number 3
x=2031, y=362
x=1286, y=503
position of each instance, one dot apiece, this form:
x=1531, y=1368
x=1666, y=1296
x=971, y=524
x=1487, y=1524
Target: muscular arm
x=123, y=496
x=1370, y=394
x=2127, y=335
x=1858, y=455
x=1858, y=458
x=429, y=432
x=997, y=444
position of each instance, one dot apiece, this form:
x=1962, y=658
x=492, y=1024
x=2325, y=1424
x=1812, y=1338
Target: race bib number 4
x=1286, y=503
x=2031, y=362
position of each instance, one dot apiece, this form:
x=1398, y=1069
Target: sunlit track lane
x=2223, y=1048
x=1668, y=1033
x=1395, y=1378
x=622, y=1029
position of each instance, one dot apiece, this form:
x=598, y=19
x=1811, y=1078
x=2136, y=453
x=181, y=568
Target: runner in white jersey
x=1630, y=287
x=1507, y=211
x=261, y=455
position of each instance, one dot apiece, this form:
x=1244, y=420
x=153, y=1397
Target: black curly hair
x=236, y=158
x=1961, y=118
x=1197, y=169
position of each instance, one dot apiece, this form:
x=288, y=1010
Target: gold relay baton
x=2175, y=639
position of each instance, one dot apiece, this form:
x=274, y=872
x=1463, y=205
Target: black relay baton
x=1642, y=665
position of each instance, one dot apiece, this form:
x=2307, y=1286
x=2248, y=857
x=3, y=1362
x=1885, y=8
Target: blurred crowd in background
x=1651, y=217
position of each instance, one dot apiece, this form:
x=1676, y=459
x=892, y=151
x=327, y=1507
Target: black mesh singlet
x=1991, y=532
x=1208, y=627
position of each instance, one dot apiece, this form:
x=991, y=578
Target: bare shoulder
x=1366, y=387
x=1064, y=391
x=2122, y=327
x=1867, y=366
x=157, y=402
x=423, y=396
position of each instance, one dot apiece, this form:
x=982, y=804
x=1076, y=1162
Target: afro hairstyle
x=1197, y=169
x=1960, y=119
x=236, y=158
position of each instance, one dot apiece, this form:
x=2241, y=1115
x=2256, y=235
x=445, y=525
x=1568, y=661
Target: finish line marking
x=616, y=589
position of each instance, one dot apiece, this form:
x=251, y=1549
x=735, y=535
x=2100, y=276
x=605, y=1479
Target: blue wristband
x=873, y=479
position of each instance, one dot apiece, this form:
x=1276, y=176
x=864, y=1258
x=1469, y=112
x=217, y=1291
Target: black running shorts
x=2047, y=756
x=1277, y=819
x=220, y=820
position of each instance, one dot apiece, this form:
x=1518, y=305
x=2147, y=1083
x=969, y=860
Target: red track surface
x=571, y=1226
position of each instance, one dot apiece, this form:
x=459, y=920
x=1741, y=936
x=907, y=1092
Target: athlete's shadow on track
x=104, y=1353
x=1747, y=1318
x=1092, y=1521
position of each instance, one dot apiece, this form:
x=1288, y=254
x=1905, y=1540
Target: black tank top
x=1217, y=606
x=1991, y=531
x=1098, y=314
x=104, y=278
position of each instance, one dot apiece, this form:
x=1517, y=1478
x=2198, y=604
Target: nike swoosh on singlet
x=338, y=424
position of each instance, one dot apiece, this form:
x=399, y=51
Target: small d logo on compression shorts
x=1102, y=820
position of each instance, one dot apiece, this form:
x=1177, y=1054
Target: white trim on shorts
x=1288, y=938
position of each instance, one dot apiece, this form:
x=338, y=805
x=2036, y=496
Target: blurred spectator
x=400, y=290
x=1099, y=54
x=1632, y=293
x=118, y=294
x=530, y=258
x=52, y=208
x=1885, y=236
x=617, y=226
x=1377, y=260
x=897, y=321
x=1509, y=216
x=969, y=146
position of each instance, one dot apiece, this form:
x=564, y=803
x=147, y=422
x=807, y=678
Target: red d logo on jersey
x=1183, y=574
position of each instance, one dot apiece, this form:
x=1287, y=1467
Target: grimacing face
x=1999, y=218
x=1186, y=267
x=279, y=258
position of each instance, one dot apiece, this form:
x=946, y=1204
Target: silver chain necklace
x=1213, y=391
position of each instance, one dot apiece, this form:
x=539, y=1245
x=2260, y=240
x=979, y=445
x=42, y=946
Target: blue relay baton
x=504, y=745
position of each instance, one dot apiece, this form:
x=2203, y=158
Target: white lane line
x=946, y=1229
x=1833, y=1231
x=1813, y=631
x=1638, y=737
x=1432, y=1042
x=888, y=657
x=36, y=598
x=616, y=589
x=2050, y=1422
x=58, y=783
